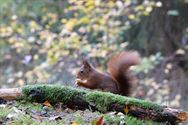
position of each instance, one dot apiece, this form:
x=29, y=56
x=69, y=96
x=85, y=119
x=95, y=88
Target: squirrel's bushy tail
x=118, y=67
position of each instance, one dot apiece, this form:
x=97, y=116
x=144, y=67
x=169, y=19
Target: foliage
x=148, y=63
x=40, y=38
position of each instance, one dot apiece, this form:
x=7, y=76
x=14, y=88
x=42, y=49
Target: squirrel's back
x=118, y=67
x=119, y=79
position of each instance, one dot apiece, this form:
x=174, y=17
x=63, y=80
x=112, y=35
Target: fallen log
x=95, y=100
x=10, y=94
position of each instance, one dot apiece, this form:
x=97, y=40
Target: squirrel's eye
x=81, y=71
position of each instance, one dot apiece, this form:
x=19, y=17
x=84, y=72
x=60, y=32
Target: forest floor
x=166, y=83
x=17, y=113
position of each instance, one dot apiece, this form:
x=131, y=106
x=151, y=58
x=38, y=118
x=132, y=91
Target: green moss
x=22, y=120
x=4, y=111
x=27, y=120
x=112, y=119
x=26, y=105
x=78, y=119
x=126, y=120
x=101, y=100
x=52, y=93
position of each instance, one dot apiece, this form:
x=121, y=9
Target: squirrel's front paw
x=80, y=82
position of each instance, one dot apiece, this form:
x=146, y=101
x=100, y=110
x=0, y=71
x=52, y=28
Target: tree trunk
x=161, y=31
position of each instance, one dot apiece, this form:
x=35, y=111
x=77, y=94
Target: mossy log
x=97, y=101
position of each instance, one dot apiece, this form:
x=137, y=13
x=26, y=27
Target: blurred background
x=44, y=41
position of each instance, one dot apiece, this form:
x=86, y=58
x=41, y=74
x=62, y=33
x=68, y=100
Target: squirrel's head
x=84, y=70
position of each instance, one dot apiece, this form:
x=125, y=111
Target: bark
x=160, y=32
x=95, y=100
x=9, y=94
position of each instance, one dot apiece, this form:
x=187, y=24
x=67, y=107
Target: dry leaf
x=100, y=121
x=38, y=117
x=74, y=123
x=183, y=116
x=126, y=109
x=47, y=103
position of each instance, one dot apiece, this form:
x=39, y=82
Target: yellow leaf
x=139, y=8
x=33, y=24
x=149, y=9
x=126, y=109
x=19, y=30
x=74, y=123
x=70, y=24
x=111, y=3
x=145, y=13
x=132, y=17
x=46, y=103
x=64, y=20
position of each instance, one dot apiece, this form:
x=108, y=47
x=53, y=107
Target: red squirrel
x=118, y=80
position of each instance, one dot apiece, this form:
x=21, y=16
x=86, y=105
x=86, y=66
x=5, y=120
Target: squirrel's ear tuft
x=86, y=63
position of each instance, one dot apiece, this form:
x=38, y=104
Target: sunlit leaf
x=70, y=24
x=74, y=123
x=47, y=103
x=132, y=17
